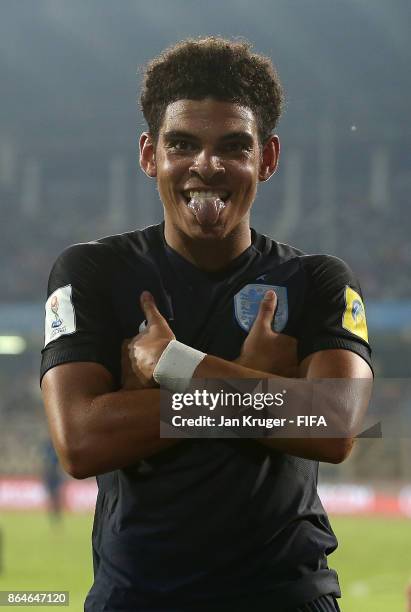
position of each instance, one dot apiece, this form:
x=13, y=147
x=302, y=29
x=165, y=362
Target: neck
x=209, y=254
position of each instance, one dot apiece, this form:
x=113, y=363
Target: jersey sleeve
x=333, y=311
x=79, y=322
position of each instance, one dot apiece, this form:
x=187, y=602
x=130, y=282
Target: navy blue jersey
x=206, y=524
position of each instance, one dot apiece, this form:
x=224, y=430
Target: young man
x=199, y=524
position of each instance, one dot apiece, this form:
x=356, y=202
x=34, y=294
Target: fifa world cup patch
x=354, y=319
x=247, y=302
x=60, y=315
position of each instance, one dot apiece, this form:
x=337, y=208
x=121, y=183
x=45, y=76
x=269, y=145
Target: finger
x=149, y=308
x=267, y=309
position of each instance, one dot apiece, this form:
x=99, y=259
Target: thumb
x=149, y=308
x=266, y=310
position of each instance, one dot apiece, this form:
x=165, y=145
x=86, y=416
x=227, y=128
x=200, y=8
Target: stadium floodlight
x=12, y=345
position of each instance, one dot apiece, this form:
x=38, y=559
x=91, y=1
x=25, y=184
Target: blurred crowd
x=54, y=206
x=23, y=422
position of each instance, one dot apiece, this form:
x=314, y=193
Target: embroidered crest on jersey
x=247, y=302
x=354, y=319
x=60, y=315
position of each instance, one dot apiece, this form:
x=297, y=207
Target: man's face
x=207, y=146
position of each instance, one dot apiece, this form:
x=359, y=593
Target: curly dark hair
x=214, y=67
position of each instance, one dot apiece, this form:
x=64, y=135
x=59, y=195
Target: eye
x=181, y=145
x=236, y=147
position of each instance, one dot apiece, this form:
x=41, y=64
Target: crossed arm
x=96, y=430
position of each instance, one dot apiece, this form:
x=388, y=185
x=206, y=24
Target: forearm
x=331, y=450
x=328, y=450
x=217, y=368
x=117, y=430
x=120, y=428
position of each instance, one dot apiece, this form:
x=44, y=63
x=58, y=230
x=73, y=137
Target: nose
x=206, y=166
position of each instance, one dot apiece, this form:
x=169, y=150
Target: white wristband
x=176, y=366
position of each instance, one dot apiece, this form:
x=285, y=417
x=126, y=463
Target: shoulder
x=272, y=249
x=102, y=254
x=323, y=263
x=328, y=272
x=319, y=269
x=81, y=254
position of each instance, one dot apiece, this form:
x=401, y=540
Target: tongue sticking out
x=206, y=209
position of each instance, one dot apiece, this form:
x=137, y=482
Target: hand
x=266, y=350
x=146, y=348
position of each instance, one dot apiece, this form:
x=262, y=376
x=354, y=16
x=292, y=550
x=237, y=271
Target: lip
x=225, y=197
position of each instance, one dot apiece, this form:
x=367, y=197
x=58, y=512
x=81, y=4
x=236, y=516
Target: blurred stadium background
x=69, y=125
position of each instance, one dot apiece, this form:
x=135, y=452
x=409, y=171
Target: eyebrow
x=178, y=134
x=245, y=136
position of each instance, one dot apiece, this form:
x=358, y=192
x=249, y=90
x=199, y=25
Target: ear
x=147, y=155
x=269, y=158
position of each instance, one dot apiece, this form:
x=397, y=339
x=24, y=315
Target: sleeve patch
x=354, y=314
x=60, y=315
